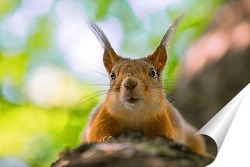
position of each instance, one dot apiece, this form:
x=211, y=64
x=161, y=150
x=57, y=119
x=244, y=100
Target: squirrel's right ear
x=159, y=57
x=109, y=56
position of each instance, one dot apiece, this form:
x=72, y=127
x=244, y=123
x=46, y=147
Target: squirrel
x=136, y=100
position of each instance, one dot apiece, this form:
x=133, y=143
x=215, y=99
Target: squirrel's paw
x=106, y=138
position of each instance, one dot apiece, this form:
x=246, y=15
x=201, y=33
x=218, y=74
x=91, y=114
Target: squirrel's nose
x=130, y=83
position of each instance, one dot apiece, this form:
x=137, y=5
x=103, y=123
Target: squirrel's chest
x=152, y=123
x=148, y=124
x=107, y=124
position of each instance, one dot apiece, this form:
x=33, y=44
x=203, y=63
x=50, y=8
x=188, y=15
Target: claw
x=106, y=138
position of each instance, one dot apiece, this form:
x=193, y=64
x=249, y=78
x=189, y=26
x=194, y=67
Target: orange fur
x=106, y=125
x=136, y=99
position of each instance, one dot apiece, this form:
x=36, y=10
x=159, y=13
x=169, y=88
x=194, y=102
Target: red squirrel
x=136, y=100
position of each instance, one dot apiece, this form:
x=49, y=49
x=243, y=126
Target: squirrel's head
x=135, y=84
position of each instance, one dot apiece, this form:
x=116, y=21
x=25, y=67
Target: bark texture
x=130, y=150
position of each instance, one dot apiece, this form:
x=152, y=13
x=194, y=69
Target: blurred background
x=51, y=71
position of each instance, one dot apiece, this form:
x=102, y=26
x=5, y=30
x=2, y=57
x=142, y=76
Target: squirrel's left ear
x=159, y=57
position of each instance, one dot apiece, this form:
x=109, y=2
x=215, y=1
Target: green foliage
x=37, y=135
x=41, y=37
x=36, y=132
x=6, y=6
x=10, y=69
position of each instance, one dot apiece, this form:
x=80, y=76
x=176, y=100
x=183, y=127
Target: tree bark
x=130, y=150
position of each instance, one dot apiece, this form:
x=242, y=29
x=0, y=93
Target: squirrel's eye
x=152, y=73
x=112, y=75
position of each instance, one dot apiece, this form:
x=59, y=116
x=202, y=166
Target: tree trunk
x=217, y=66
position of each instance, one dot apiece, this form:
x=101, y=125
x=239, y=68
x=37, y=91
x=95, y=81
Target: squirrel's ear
x=109, y=59
x=109, y=56
x=159, y=57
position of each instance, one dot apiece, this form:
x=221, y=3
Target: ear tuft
x=102, y=38
x=159, y=57
x=171, y=30
x=109, y=56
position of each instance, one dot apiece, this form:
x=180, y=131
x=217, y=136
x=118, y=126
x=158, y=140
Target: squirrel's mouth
x=133, y=103
x=132, y=100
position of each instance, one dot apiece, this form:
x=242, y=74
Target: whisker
x=180, y=96
x=97, y=84
x=100, y=93
x=99, y=73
